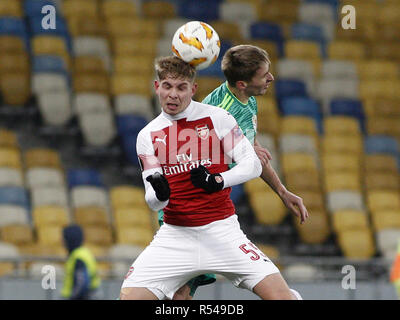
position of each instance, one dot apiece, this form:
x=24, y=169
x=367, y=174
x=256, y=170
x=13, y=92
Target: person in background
x=81, y=280
x=395, y=271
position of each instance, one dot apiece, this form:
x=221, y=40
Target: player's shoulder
x=205, y=109
x=154, y=125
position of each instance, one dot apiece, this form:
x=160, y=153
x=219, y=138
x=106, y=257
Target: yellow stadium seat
x=388, y=32
x=315, y=230
x=44, y=250
x=269, y=46
x=365, y=31
x=89, y=64
x=268, y=119
x=378, y=200
x=125, y=196
x=50, y=216
x=10, y=9
x=6, y=268
x=297, y=161
x=205, y=85
x=382, y=89
x=118, y=8
x=98, y=235
x=382, y=181
x=312, y=199
x=341, y=125
x=14, y=62
x=131, y=84
x=388, y=14
x=338, y=181
x=10, y=157
x=157, y=9
x=270, y=251
x=8, y=138
x=383, y=126
x=348, y=219
x=89, y=82
x=136, y=28
x=303, y=180
x=278, y=12
x=127, y=46
x=386, y=219
x=301, y=49
x=256, y=185
x=346, y=50
x=46, y=44
x=76, y=8
x=11, y=44
x=227, y=30
x=50, y=235
x=374, y=107
x=134, y=64
x=135, y=217
x=91, y=216
x=86, y=26
x=138, y=236
x=17, y=234
x=375, y=163
x=380, y=69
x=384, y=50
x=340, y=162
x=298, y=124
x=42, y=157
x=268, y=208
x=357, y=244
x=342, y=144
x=15, y=87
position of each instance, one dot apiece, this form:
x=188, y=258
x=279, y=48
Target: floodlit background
x=74, y=98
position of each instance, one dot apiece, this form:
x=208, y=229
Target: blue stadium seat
x=48, y=63
x=268, y=31
x=205, y=10
x=14, y=195
x=12, y=26
x=34, y=7
x=309, y=32
x=129, y=147
x=290, y=88
x=127, y=124
x=213, y=71
x=334, y=3
x=303, y=106
x=237, y=193
x=381, y=144
x=76, y=177
x=348, y=107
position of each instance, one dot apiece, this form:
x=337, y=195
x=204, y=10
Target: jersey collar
x=184, y=114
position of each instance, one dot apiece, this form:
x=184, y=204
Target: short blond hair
x=174, y=67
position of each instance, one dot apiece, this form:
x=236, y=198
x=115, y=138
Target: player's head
x=175, y=84
x=246, y=68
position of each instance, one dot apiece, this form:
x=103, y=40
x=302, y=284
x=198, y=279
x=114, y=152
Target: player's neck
x=240, y=95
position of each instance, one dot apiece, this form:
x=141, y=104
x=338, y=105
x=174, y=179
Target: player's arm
x=157, y=190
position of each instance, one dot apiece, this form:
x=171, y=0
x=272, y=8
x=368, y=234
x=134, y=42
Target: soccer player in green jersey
x=247, y=72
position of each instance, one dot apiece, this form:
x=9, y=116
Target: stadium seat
x=127, y=46
x=74, y=8
x=158, y=9
x=297, y=143
x=49, y=63
x=388, y=13
x=50, y=235
x=8, y=138
x=13, y=26
x=342, y=144
x=98, y=129
x=270, y=46
x=383, y=126
x=297, y=69
x=37, y=177
x=11, y=44
x=170, y=26
x=268, y=116
x=91, y=216
x=255, y=185
x=383, y=200
x=332, y=68
x=267, y=207
x=386, y=219
x=278, y=12
x=50, y=215
x=341, y=125
x=329, y=89
x=343, y=220
x=338, y=200
x=85, y=45
x=11, y=9
x=381, y=107
x=86, y=26
x=268, y=31
x=357, y=244
x=303, y=180
x=298, y=161
x=130, y=123
x=346, y=50
x=131, y=84
x=290, y=88
x=134, y=236
x=34, y=7
x=339, y=181
x=195, y=10
x=312, y=199
x=44, y=44
x=302, y=49
x=387, y=242
x=135, y=28
x=8, y=251
x=118, y=8
x=77, y=177
x=126, y=196
x=229, y=31
x=385, y=50
x=15, y=88
x=98, y=235
x=89, y=64
x=49, y=83
x=340, y=163
x=298, y=125
x=14, y=196
x=55, y=108
x=133, y=104
x=11, y=177
x=381, y=144
x=381, y=69
x=132, y=216
x=129, y=148
x=316, y=12
x=83, y=196
x=380, y=163
x=10, y=158
x=12, y=62
x=134, y=64
x=316, y=230
x=205, y=85
x=88, y=82
x=85, y=102
x=42, y=157
x=11, y=214
x=47, y=196
x=17, y=234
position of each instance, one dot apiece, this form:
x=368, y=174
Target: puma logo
x=162, y=140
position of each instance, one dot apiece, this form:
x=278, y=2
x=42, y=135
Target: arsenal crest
x=203, y=131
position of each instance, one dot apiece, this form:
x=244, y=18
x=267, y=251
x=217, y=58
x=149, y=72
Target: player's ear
x=194, y=88
x=241, y=85
x=156, y=84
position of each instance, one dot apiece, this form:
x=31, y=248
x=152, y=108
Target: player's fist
x=160, y=185
x=203, y=179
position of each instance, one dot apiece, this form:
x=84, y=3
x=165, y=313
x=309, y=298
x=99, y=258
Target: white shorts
x=178, y=254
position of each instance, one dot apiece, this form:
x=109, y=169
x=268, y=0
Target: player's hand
x=295, y=205
x=263, y=154
x=203, y=179
x=160, y=185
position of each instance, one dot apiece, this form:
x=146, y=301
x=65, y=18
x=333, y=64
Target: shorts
x=177, y=254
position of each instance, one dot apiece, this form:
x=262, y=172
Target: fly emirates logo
x=185, y=163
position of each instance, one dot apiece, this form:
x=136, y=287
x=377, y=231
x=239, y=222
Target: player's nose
x=270, y=77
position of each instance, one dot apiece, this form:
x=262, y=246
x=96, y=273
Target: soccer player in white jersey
x=184, y=154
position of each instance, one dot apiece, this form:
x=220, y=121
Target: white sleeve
x=149, y=165
x=239, y=149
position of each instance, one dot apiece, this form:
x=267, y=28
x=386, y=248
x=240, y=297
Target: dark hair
x=174, y=67
x=240, y=63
